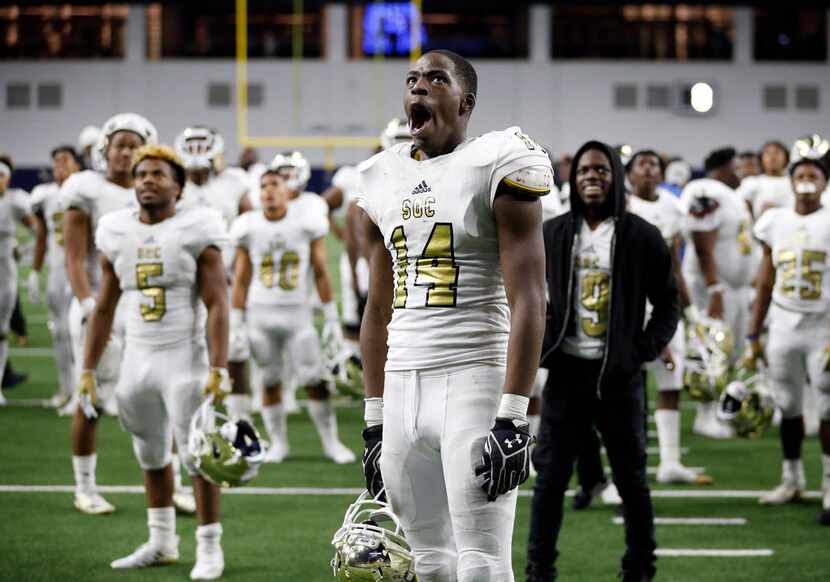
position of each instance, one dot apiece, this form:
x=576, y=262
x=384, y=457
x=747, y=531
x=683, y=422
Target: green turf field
x=280, y=537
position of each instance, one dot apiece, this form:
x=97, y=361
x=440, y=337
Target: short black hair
x=748, y=154
x=646, y=152
x=718, y=158
x=6, y=159
x=69, y=150
x=814, y=161
x=464, y=69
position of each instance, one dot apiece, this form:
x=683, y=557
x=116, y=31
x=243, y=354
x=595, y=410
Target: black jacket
x=641, y=268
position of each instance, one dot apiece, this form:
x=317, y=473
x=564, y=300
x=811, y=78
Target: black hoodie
x=641, y=268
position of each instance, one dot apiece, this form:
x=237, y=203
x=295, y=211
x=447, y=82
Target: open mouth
x=419, y=116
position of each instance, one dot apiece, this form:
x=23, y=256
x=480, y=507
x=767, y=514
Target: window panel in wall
x=787, y=33
x=681, y=32
x=62, y=31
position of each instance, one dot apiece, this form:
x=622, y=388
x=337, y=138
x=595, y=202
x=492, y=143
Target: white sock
x=273, y=416
x=534, y=420
x=793, y=471
x=4, y=356
x=84, y=468
x=162, y=524
x=668, y=435
x=825, y=476
x=322, y=415
x=209, y=535
x=239, y=406
x=177, y=471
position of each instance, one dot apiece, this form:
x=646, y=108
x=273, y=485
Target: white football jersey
x=592, y=288
x=666, y=213
x=14, y=205
x=222, y=192
x=280, y=253
x=800, y=246
x=46, y=200
x=94, y=195
x=551, y=205
x=347, y=180
x=437, y=219
x=713, y=205
x=156, y=265
x=763, y=190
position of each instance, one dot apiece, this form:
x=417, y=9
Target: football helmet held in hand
x=227, y=454
x=748, y=403
x=370, y=545
x=709, y=344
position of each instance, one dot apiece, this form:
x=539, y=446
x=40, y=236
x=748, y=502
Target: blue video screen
x=387, y=28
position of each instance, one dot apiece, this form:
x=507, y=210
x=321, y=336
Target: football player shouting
x=452, y=332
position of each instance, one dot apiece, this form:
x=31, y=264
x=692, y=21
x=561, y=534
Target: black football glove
x=505, y=459
x=373, y=437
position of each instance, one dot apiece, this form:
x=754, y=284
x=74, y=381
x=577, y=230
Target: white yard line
x=691, y=521
x=31, y=352
x=693, y=553
x=291, y=491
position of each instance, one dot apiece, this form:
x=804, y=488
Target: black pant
x=570, y=410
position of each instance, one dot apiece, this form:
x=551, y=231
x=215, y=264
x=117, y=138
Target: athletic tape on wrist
x=513, y=406
x=373, y=412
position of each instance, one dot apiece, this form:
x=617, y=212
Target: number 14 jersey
x=436, y=217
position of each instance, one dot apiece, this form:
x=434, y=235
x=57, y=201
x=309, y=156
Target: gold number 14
x=435, y=269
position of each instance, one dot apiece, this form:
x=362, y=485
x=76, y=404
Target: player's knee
x=478, y=567
x=434, y=564
x=152, y=456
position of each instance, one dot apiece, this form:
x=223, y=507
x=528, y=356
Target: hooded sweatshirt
x=641, y=269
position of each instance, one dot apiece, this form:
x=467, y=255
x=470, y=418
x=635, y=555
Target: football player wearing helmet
x=453, y=228
x=163, y=267
x=86, y=197
x=278, y=251
x=645, y=172
x=14, y=208
x=720, y=261
x=772, y=187
x=794, y=288
x=49, y=214
x=209, y=184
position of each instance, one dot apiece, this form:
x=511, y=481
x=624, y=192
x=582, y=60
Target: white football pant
x=160, y=389
x=108, y=366
x=796, y=351
x=58, y=300
x=435, y=423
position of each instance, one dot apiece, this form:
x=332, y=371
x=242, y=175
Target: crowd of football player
x=748, y=233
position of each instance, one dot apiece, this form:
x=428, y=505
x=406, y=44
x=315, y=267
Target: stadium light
x=702, y=97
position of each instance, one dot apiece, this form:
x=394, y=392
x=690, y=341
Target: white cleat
x=276, y=453
x=339, y=453
x=58, y=400
x=111, y=407
x=93, y=504
x=677, y=473
x=3, y=401
x=787, y=492
x=184, y=502
x=210, y=562
x=69, y=408
x=610, y=495
x=148, y=555
x=825, y=501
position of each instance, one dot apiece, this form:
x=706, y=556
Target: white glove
x=88, y=393
x=238, y=348
x=87, y=307
x=332, y=338
x=33, y=287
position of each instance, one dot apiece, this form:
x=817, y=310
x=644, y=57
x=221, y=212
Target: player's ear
x=468, y=103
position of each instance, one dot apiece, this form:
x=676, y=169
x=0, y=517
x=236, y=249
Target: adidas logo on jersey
x=421, y=188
